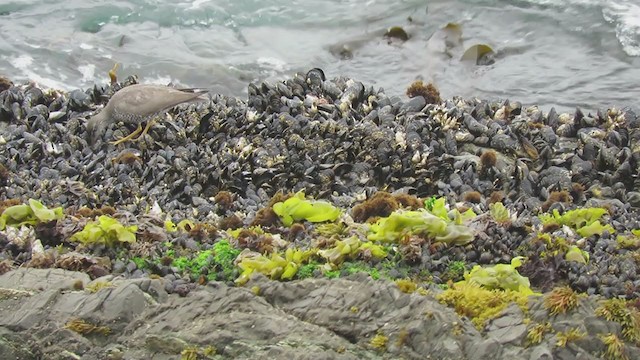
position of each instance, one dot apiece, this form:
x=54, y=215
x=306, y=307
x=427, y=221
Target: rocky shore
x=321, y=218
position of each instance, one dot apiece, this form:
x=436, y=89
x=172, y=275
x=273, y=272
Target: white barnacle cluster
x=615, y=117
x=243, y=148
x=441, y=115
x=21, y=237
x=401, y=139
x=370, y=104
x=420, y=158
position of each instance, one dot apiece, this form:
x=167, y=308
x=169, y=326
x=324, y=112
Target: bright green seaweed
x=29, y=214
x=298, y=208
x=106, y=230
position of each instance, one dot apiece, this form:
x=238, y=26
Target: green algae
x=29, y=214
x=585, y=221
x=106, y=230
x=298, y=208
x=499, y=213
x=277, y=266
x=350, y=248
x=500, y=276
x=435, y=221
x=220, y=257
x=183, y=225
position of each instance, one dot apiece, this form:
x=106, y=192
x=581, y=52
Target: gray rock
x=508, y=328
x=42, y=279
x=541, y=352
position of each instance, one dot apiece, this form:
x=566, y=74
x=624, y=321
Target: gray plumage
x=138, y=103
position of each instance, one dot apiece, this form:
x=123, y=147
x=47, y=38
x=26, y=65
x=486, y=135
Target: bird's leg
x=146, y=128
x=128, y=137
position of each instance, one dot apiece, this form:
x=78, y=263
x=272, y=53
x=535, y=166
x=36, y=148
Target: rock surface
x=306, y=319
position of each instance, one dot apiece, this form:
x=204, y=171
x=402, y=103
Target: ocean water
x=562, y=53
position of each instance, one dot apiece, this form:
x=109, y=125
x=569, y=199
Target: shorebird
x=136, y=104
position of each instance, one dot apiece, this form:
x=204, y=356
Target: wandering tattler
x=136, y=104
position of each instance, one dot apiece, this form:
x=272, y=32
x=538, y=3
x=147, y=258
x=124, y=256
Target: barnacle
x=439, y=113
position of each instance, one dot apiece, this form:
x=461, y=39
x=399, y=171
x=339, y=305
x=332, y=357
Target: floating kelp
x=479, y=54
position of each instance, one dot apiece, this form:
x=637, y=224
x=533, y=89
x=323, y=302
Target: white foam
x=88, y=72
x=21, y=62
x=196, y=4
x=625, y=15
x=85, y=46
x=272, y=63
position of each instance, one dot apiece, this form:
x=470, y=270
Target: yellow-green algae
x=298, y=208
x=561, y=300
x=536, y=333
x=401, y=223
x=106, y=230
x=276, y=266
x=564, y=337
x=585, y=221
x=615, y=348
x=624, y=313
x=487, y=291
x=29, y=214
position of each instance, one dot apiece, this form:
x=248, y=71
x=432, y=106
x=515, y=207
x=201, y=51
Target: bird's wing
x=147, y=101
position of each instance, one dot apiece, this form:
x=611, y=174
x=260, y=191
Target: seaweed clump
x=615, y=347
x=382, y=204
x=276, y=266
x=83, y=327
x=487, y=291
x=570, y=335
x=585, y=221
x=624, y=313
x=429, y=92
x=536, y=333
x=298, y=208
x=561, y=300
x=106, y=230
x=32, y=213
x=435, y=222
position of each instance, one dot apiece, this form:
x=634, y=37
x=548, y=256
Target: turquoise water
x=561, y=53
